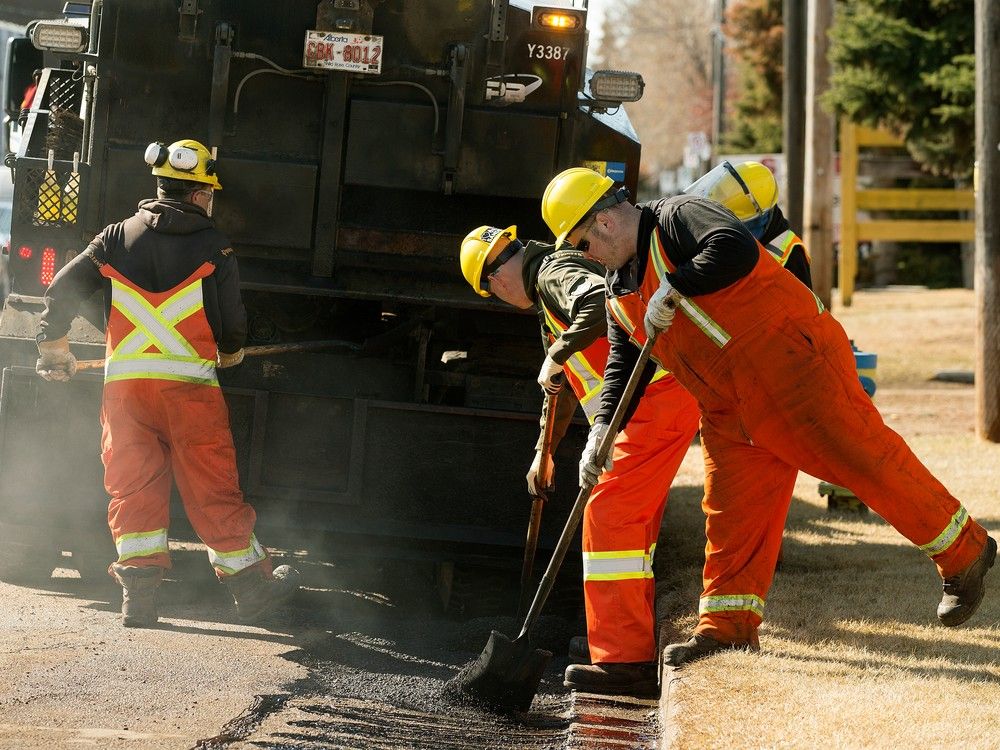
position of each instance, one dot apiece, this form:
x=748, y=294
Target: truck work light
x=558, y=20
x=616, y=86
x=55, y=36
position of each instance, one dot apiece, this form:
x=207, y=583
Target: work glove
x=55, y=360
x=589, y=470
x=661, y=309
x=538, y=485
x=551, y=377
x=230, y=360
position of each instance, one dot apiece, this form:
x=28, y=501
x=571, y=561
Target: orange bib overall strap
x=159, y=335
x=781, y=247
x=584, y=369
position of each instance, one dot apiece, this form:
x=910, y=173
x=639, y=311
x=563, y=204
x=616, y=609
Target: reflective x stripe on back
x=173, y=357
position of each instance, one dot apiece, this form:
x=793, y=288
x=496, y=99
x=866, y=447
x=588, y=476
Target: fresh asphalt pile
x=379, y=653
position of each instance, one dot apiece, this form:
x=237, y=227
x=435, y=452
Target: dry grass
x=852, y=655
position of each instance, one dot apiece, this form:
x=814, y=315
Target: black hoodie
x=156, y=249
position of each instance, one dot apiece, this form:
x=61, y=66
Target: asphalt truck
x=358, y=141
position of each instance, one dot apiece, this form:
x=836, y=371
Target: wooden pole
x=793, y=108
x=817, y=204
x=718, y=79
x=987, y=279
x=848, y=210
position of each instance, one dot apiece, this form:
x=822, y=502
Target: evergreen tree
x=909, y=66
x=755, y=36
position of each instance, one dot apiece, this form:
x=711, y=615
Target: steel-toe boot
x=259, y=593
x=964, y=591
x=699, y=646
x=579, y=650
x=628, y=678
x=139, y=587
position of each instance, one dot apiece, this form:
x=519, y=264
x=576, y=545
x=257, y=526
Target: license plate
x=331, y=50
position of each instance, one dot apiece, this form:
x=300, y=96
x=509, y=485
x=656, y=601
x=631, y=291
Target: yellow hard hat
x=476, y=249
x=748, y=189
x=568, y=198
x=183, y=160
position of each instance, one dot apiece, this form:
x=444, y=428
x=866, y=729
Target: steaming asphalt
x=359, y=661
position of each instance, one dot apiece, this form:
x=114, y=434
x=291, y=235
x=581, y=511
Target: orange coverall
x=622, y=519
x=163, y=417
x=775, y=378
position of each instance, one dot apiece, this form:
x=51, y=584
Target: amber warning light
x=560, y=21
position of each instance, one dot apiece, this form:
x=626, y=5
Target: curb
x=670, y=688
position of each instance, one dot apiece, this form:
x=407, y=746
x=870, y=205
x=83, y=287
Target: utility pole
x=988, y=220
x=793, y=109
x=817, y=206
x=718, y=78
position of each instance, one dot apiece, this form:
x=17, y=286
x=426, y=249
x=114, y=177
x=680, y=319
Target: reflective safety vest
x=695, y=344
x=159, y=335
x=585, y=369
x=781, y=247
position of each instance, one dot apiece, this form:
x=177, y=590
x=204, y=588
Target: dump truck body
x=357, y=144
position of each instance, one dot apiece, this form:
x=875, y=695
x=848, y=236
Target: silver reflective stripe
x=616, y=566
x=234, y=562
x=731, y=603
x=591, y=383
x=947, y=537
x=697, y=316
x=182, y=305
x=141, y=544
x=151, y=365
x=145, y=317
x=704, y=322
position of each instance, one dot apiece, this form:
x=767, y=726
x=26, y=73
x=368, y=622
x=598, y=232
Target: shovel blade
x=504, y=677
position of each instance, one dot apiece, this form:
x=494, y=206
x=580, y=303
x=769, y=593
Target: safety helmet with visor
x=484, y=251
x=748, y=189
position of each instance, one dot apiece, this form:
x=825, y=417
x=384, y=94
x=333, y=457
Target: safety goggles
x=491, y=268
x=619, y=196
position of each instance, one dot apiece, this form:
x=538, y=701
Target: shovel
x=537, y=503
x=254, y=351
x=506, y=674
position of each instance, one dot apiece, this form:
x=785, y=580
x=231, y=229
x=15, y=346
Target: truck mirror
x=22, y=61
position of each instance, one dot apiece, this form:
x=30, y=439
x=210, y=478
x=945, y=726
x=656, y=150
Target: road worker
x=750, y=191
x=622, y=519
x=774, y=376
x=174, y=314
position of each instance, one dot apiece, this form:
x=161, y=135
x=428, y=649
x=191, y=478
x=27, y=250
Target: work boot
x=579, y=650
x=699, y=646
x=139, y=587
x=627, y=678
x=964, y=591
x=259, y=593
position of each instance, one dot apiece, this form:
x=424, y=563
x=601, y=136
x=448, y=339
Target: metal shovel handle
x=576, y=514
x=255, y=351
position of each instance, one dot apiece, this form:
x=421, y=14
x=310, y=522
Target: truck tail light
x=48, y=271
x=558, y=20
x=25, y=252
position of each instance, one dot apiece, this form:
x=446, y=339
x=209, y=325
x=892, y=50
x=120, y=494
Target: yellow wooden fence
x=853, y=138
